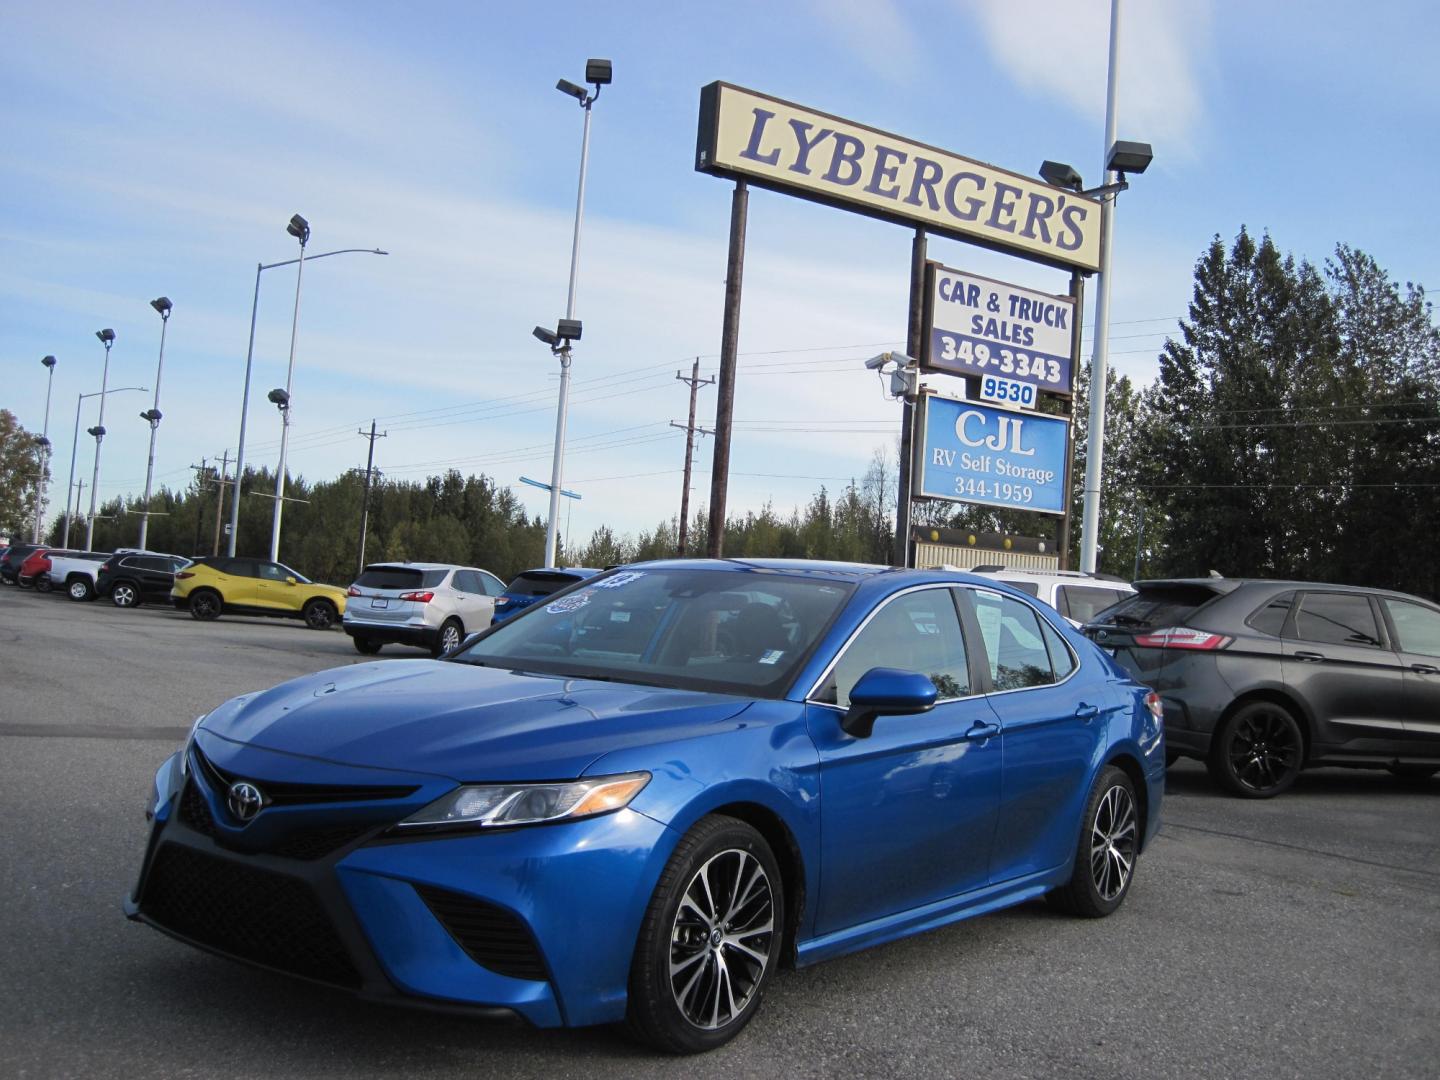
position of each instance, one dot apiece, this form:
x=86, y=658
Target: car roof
x=418, y=566
x=1224, y=585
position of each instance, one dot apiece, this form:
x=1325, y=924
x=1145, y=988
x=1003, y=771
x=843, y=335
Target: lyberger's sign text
x=777, y=144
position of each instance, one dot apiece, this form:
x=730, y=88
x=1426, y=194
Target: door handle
x=1425, y=669
x=1086, y=712
x=1310, y=657
x=982, y=731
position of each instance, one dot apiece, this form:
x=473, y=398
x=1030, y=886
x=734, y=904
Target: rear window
x=1032, y=588
x=1083, y=602
x=399, y=577
x=1158, y=606
x=541, y=582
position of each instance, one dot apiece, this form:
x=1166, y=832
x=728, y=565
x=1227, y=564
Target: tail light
x=1182, y=637
x=183, y=574
x=418, y=597
x=1156, y=706
x=352, y=591
x=104, y=567
x=502, y=601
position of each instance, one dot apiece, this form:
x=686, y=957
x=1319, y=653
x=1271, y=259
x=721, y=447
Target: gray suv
x=1261, y=679
x=432, y=605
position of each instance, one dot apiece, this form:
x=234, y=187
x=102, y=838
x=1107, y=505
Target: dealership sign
x=780, y=145
x=998, y=332
x=977, y=453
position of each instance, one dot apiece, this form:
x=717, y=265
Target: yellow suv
x=210, y=586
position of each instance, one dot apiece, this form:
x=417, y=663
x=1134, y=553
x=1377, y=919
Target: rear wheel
x=319, y=614
x=205, y=604
x=366, y=646
x=1105, y=856
x=125, y=594
x=43, y=583
x=451, y=634
x=80, y=588
x=710, y=940
x=1258, y=751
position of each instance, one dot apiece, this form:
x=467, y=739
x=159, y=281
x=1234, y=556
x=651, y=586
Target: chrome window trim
x=1039, y=615
x=809, y=698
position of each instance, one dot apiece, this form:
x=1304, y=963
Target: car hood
x=465, y=722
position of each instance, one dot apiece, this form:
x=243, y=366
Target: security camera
x=875, y=363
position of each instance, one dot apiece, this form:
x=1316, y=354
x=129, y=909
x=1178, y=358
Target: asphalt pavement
x=1295, y=937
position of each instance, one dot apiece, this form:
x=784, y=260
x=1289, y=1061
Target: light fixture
x=278, y=397
x=597, y=72
x=565, y=86
x=153, y=415
x=98, y=431
x=568, y=329
x=48, y=361
x=1129, y=157
x=1061, y=175
x=549, y=337
x=107, y=336
x=162, y=305
x=299, y=228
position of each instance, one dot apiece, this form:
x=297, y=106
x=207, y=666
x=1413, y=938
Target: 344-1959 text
x=975, y=488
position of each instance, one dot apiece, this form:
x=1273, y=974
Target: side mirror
x=291, y=581
x=886, y=692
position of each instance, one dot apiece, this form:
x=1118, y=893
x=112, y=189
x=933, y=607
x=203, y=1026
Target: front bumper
x=416, y=920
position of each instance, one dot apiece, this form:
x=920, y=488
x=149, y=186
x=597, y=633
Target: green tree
x=22, y=471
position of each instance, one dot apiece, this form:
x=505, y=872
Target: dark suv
x=131, y=579
x=10, y=562
x=1263, y=678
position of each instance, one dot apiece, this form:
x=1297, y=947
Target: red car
x=35, y=570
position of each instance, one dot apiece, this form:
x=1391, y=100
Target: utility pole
x=694, y=382
x=219, y=500
x=202, y=473
x=365, y=498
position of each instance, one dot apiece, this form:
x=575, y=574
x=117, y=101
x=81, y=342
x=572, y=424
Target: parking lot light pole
x=40, y=484
x=300, y=229
x=74, y=453
x=107, y=338
x=162, y=305
x=245, y=394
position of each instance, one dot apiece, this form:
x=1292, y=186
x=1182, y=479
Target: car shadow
x=1189, y=778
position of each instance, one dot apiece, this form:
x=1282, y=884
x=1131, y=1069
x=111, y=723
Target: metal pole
x=557, y=467
x=1077, y=290
x=244, y=403
x=45, y=452
x=1095, y=439
x=285, y=413
x=729, y=346
x=99, y=427
x=1139, y=540
x=70, y=484
x=154, y=429
x=915, y=330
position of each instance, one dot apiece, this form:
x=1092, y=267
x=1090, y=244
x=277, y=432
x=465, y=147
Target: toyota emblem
x=245, y=800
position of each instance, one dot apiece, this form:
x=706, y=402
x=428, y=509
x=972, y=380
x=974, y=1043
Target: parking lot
x=1293, y=937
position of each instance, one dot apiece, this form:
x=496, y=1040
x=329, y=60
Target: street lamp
x=162, y=306
x=49, y=362
x=107, y=338
x=300, y=229
x=597, y=74
x=249, y=355
x=74, y=452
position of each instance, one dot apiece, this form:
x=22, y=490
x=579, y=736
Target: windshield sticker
x=625, y=577
x=567, y=604
x=619, y=616
x=771, y=656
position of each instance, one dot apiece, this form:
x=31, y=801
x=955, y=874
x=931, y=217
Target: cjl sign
x=995, y=457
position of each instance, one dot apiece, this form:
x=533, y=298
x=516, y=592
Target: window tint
x=541, y=582
x=493, y=585
x=466, y=581
x=1270, y=619
x=919, y=631
x=1157, y=606
x=1336, y=619
x=1031, y=587
x=1014, y=642
x=273, y=571
x=1417, y=627
x=238, y=567
x=399, y=577
x=1062, y=660
x=1083, y=602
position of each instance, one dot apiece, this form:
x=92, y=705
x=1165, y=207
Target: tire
x=319, y=614
x=1105, y=855
x=1258, y=752
x=452, y=632
x=366, y=646
x=80, y=589
x=1413, y=774
x=22, y=584
x=44, y=584
x=683, y=933
x=205, y=605
x=125, y=594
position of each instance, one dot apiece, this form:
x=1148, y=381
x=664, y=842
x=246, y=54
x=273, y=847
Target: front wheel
x=710, y=940
x=1105, y=856
x=125, y=594
x=80, y=589
x=319, y=614
x=1257, y=753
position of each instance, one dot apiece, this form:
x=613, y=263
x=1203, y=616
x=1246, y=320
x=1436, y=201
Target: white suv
x=1077, y=596
x=433, y=605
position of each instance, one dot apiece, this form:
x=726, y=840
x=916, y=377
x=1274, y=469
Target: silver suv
x=432, y=605
x=1076, y=595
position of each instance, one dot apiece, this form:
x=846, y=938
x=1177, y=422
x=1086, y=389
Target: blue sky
x=156, y=148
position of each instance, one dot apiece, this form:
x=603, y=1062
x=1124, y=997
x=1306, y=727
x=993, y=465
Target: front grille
x=194, y=812
x=254, y=914
x=317, y=843
x=281, y=793
x=490, y=936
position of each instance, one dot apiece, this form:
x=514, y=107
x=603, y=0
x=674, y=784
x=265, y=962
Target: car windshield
x=730, y=631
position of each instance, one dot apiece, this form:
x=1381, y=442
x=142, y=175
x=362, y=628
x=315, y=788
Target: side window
x=1083, y=602
x=1417, y=628
x=1014, y=642
x=1062, y=660
x=493, y=585
x=272, y=571
x=1270, y=619
x=467, y=581
x=1336, y=619
x=918, y=631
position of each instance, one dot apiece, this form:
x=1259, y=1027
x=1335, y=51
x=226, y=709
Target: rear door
x=1416, y=628
x=238, y=581
x=475, y=605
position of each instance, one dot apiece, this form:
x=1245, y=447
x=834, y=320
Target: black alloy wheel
x=205, y=605
x=1105, y=855
x=710, y=940
x=366, y=646
x=43, y=583
x=1258, y=752
x=319, y=614
x=125, y=594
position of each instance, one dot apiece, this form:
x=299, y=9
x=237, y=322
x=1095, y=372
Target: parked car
x=1261, y=679
x=532, y=585
x=132, y=578
x=215, y=585
x=11, y=561
x=75, y=572
x=641, y=798
x=432, y=605
x=34, y=570
x=1076, y=595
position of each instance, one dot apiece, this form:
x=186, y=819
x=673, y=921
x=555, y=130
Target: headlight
x=494, y=805
x=189, y=741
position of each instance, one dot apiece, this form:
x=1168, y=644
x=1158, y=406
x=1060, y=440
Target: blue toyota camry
x=637, y=800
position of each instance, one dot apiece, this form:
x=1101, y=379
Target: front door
x=907, y=814
x=1417, y=641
